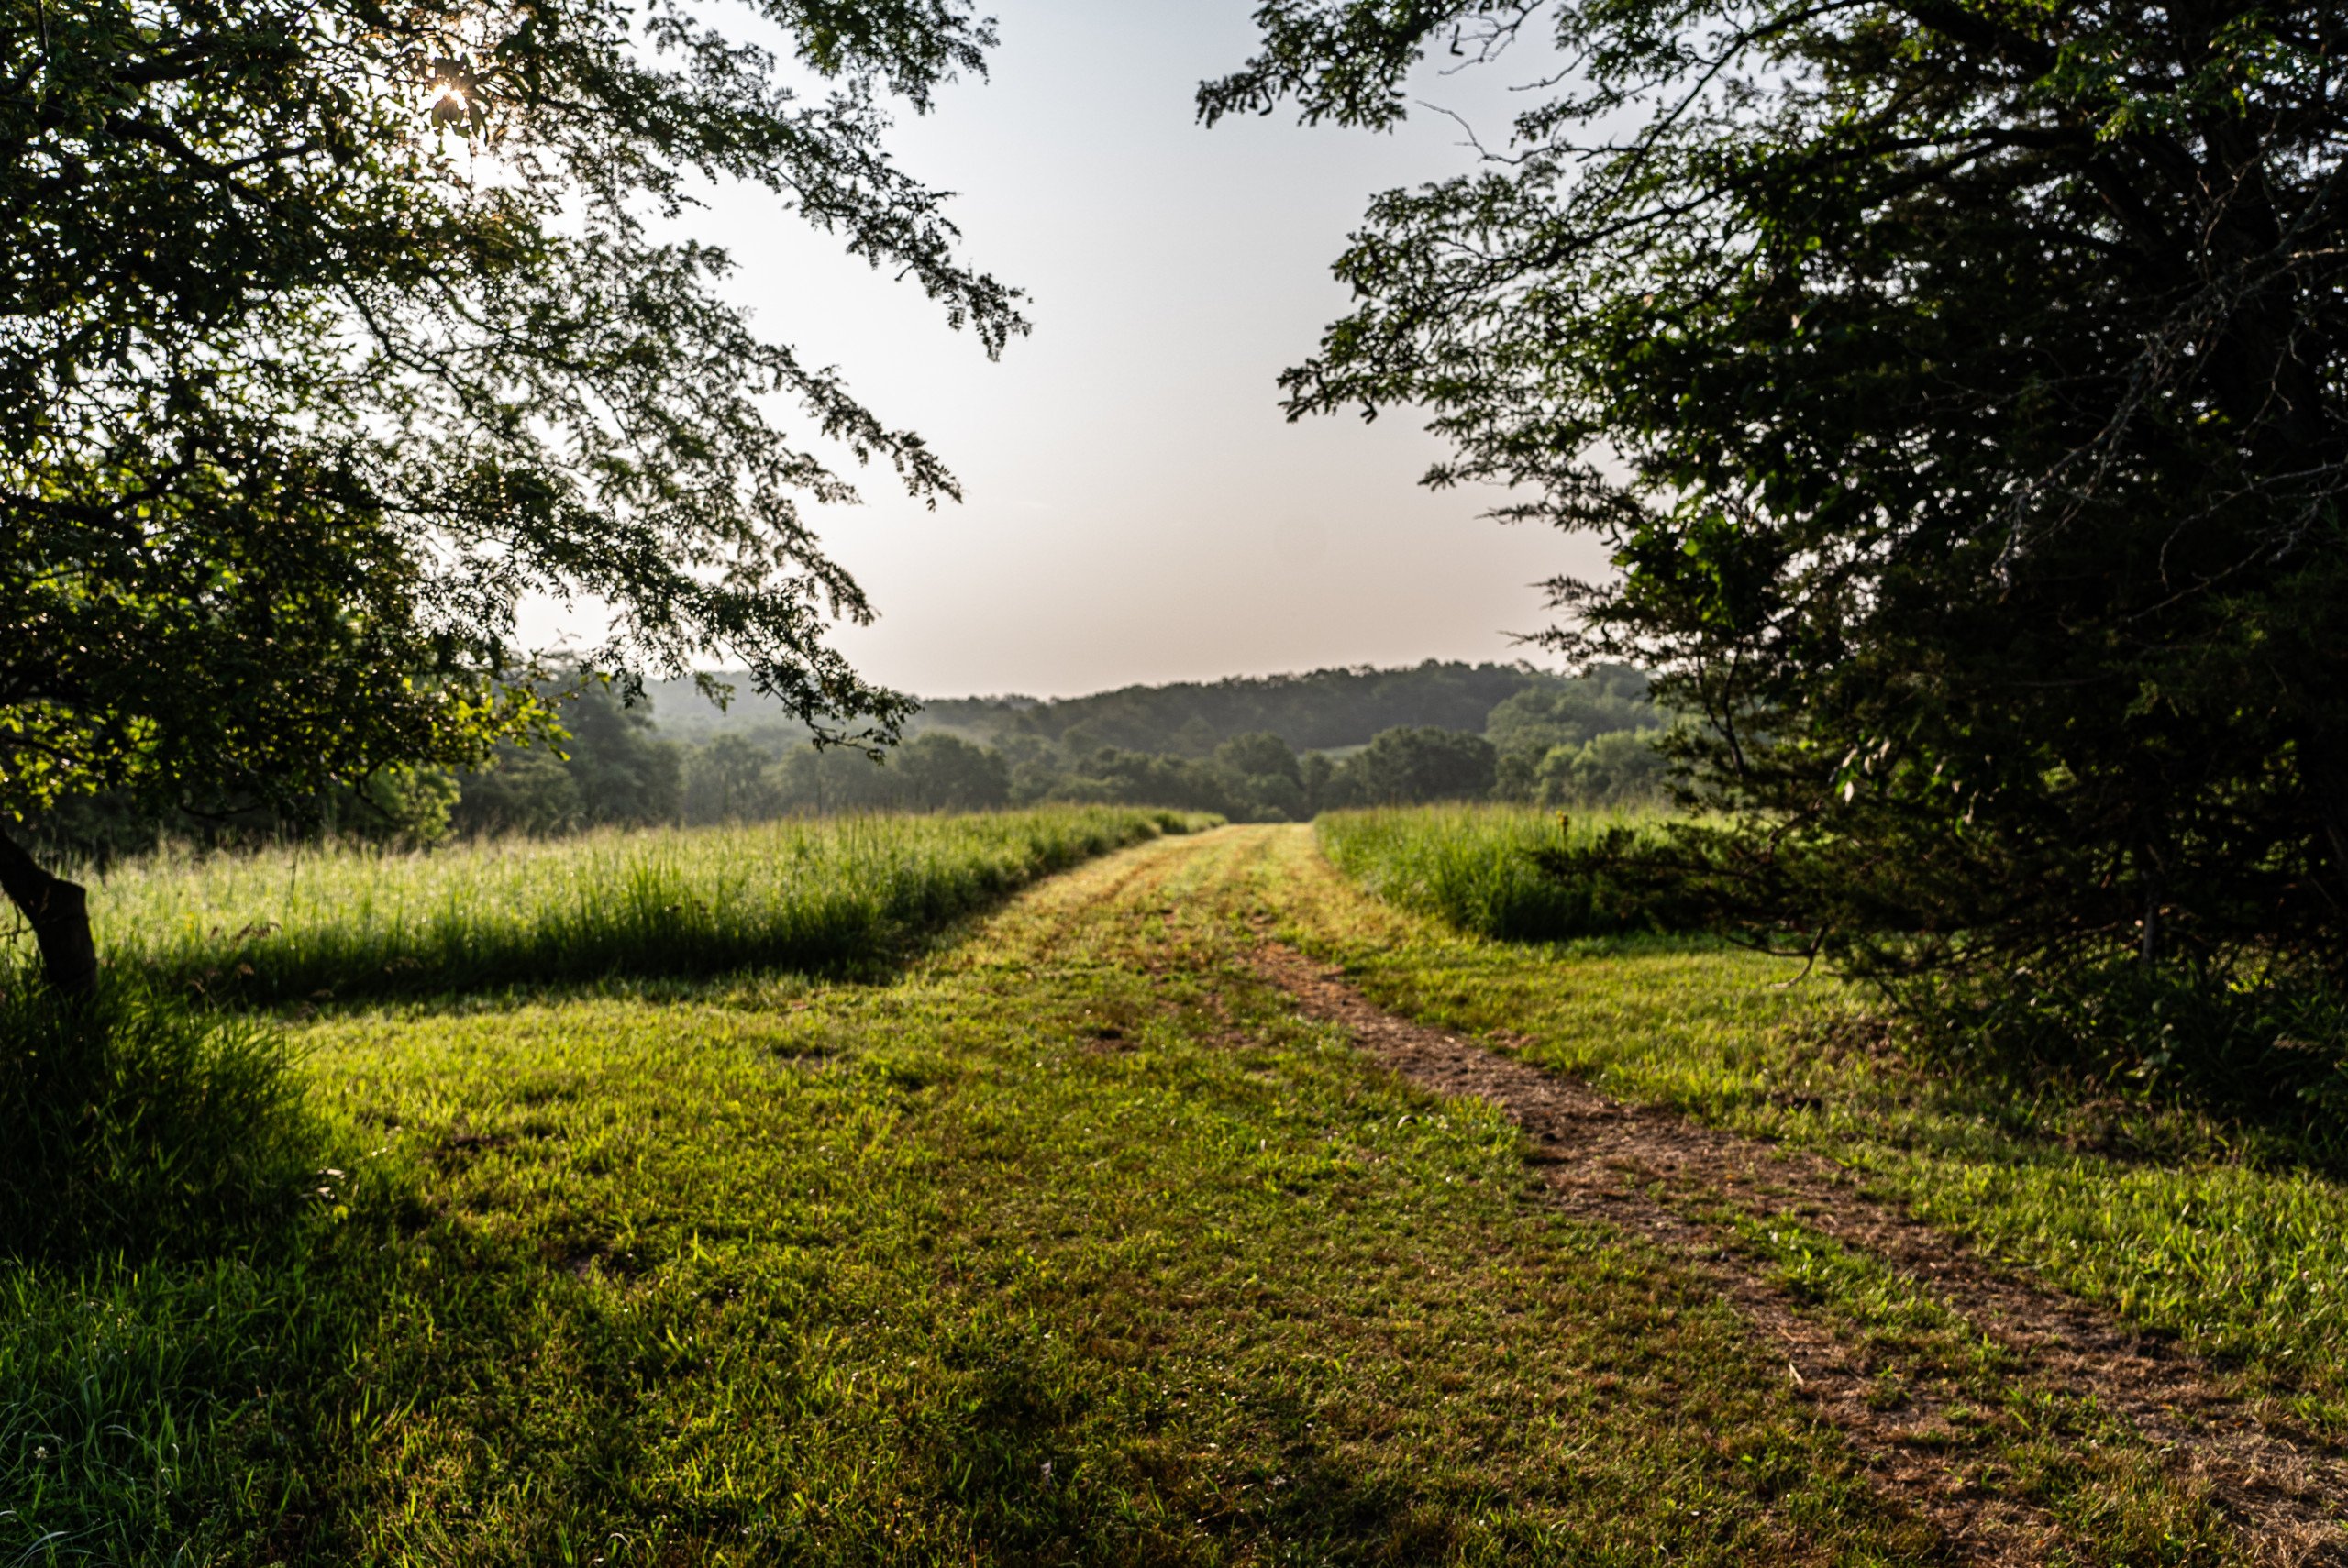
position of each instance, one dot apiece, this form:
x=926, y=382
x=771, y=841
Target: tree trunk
x=59, y=913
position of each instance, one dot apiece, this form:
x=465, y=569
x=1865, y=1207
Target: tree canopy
x=330, y=331
x=1958, y=384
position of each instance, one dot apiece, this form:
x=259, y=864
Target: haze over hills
x=1321, y=710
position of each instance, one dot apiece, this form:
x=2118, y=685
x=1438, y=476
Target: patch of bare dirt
x=1623, y=1164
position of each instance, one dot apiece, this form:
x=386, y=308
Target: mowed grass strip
x=1076, y=1244
x=307, y=923
x=2174, y=1219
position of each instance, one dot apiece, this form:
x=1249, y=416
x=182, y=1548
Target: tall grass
x=335, y=923
x=131, y=1121
x=1475, y=868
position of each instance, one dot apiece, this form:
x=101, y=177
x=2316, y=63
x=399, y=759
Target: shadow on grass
x=756, y=983
x=174, y=1408
x=384, y=1376
x=1045, y=1462
x=133, y=1123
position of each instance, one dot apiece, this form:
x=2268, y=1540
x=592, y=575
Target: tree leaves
x=326, y=334
x=1958, y=387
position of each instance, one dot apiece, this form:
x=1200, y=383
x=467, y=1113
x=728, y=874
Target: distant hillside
x=680, y=713
x=1318, y=711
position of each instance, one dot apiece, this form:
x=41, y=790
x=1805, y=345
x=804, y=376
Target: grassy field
x=1074, y=1244
x=331, y=924
x=1473, y=867
x=1075, y=1241
x=2180, y=1221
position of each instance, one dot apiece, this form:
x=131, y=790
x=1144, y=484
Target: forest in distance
x=1276, y=749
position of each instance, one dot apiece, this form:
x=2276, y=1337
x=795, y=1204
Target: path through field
x=1687, y=1189
x=1119, y=1230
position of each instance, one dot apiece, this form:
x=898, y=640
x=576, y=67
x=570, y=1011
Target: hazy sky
x=1137, y=508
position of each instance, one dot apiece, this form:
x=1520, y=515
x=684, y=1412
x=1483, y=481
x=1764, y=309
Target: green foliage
x=1482, y=869
x=1587, y=743
x=1260, y=755
x=758, y=773
x=299, y=924
x=928, y=773
x=1271, y=777
x=411, y=806
x=727, y=782
x=1406, y=765
x=1957, y=391
x=520, y=790
x=1133, y=777
x=1323, y=708
x=403, y=806
x=1610, y=698
x=1621, y=768
x=604, y=766
x=131, y=1123
x=1053, y=751
x=2274, y=1053
x=625, y=774
x=340, y=330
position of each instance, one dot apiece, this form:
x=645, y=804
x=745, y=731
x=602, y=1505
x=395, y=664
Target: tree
x=518, y=789
x=1958, y=386
x=1408, y=765
x=1322, y=783
x=1569, y=714
x=834, y=780
x=331, y=330
x=726, y=780
x=627, y=775
x=1621, y=768
x=1541, y=721
x=945, y=773
x=1271, y=777
x=604, y=766
x=1260, y=754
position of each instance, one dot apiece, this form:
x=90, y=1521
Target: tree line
x=1318, y=710
x=614, y=761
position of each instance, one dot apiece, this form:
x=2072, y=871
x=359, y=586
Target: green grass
x=130, y=1121
x=317, y=924
x=2177, y=1219
x=1069, y=1242
x=1075, y=1244
x=1473, y=867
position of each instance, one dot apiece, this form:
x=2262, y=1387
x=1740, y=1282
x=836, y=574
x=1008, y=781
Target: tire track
x=1642, y=1169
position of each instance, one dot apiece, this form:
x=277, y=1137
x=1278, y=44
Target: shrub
x=2273, y=1048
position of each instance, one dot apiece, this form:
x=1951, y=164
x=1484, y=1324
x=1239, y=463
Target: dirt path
x=1658, y=1174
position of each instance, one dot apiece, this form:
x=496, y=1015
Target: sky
x=1137, y=508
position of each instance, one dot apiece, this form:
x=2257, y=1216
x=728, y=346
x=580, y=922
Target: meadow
x=1473, y=867
x=307, y=923
x=1075, y=1242
x=1067, y=1236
